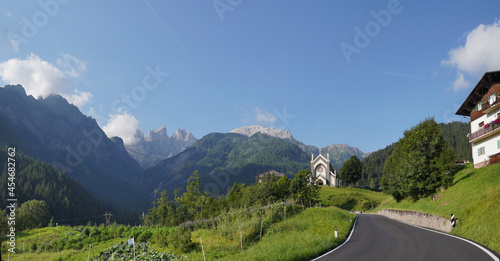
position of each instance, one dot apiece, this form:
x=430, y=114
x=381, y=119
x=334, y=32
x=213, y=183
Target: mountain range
x=56, y=132
x=158, y=146
x=339, y=153
x=52, y=130
x=223, y=158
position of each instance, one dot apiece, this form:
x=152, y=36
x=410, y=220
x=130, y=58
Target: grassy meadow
x=351, y=198
x=289, y=232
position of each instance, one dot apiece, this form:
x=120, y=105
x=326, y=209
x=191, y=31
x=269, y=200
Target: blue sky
x=349, y=72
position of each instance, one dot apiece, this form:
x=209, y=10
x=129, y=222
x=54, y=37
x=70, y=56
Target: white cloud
x=71, y=65
x=264, y=117
x=41, y=78
x=79, y=98
x=460, y=83
x=123, y=125
x=479, y=54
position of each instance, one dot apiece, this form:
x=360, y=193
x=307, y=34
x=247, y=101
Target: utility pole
x=108, y=218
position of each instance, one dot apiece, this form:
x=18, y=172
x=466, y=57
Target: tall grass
x=299, y=237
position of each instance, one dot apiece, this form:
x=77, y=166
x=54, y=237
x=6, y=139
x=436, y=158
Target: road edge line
x=341, y=245
x=492, y=255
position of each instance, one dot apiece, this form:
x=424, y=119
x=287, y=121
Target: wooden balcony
x=487, y=108
x=484, y=133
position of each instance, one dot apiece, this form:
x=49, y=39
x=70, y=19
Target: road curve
x=379, y=238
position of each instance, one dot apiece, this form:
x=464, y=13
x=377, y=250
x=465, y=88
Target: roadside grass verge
x=474, y=199
x=351, y=198
x=300, y=237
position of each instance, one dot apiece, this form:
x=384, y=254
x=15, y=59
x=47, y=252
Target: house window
x=481, y=151
x=492, y=99
x=481, y=124
x=479, y=106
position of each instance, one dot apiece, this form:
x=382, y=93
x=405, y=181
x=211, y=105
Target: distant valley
x=56, y=132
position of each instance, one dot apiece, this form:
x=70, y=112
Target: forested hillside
x=57, y=132
x=68, y=201
x=223, y=158
x=373, y=166
x=455, y=133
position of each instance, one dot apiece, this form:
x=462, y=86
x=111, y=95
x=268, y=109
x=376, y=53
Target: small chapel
x=323, y=171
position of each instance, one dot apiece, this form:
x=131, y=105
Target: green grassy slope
x=351, y=198
x=474, y=198
x=300, y=236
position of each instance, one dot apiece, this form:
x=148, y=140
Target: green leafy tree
x=420, y=163
x=282, y=188
x=3, y=222
x=33, y=214
x=351, y=170
x=266, y=189
x=191, y=198
x=235, y=194
x=304, y=189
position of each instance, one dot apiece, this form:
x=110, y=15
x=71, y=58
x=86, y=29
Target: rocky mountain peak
x=158, y=134
x=271, y=131
x=179, y=134
x=182, y=135
x=158, y=145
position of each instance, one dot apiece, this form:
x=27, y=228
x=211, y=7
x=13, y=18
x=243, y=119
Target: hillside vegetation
x=474, y=199
x=68, y=202
x=454, y=133
x=351, y=198
x=298, y=234
x=223, y=158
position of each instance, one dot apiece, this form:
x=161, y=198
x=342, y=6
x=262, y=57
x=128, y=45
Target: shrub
x=144, y=236
x=86, y=231
x=33, y=247
x=94, y=232
x=180, y=239
x=160, y=237
x=120, y=230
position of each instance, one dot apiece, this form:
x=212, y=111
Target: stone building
x=323, y=171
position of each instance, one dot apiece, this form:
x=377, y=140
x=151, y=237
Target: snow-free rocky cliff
x=158, y=146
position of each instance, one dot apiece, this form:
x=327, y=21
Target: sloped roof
x=272, y=172
x=478, y=92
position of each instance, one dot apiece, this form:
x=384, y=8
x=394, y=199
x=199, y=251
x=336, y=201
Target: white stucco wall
x=490, y=144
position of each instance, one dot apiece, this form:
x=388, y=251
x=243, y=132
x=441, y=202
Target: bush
x=160, y=237
x=33, y=247
x=86, y=231
x=144, y=236
x=94, y=232
x=120, y=230
x=134, y=233
x=180, y=239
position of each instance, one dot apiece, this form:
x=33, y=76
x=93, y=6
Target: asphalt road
x=380, y=238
